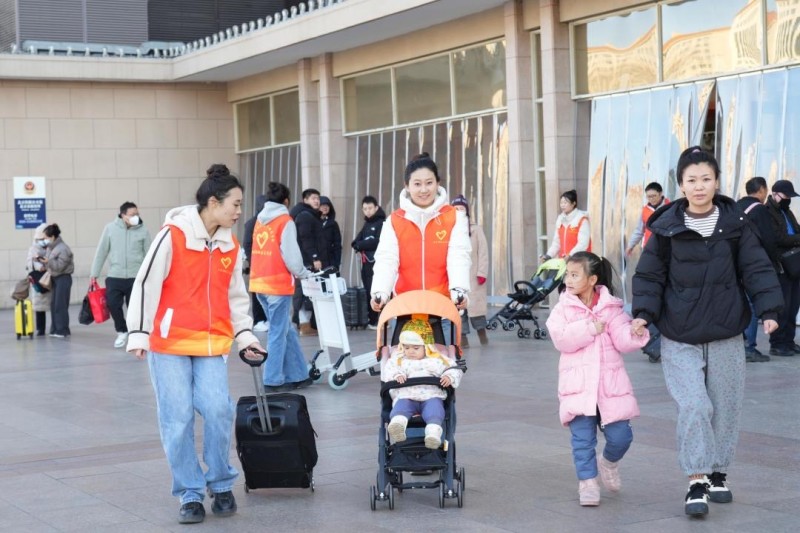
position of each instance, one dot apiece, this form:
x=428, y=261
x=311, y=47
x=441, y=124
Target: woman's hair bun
x=423, y=155
x=218, y=170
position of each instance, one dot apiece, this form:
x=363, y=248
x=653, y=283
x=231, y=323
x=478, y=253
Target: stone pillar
x=559, y=112
x=309, y=126
x=521, y=162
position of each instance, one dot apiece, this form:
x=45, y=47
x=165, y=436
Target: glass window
x=707, y=37
x=368, y=101
x=287, y=117
x=616, y=53
x=479, y=77
x=252, y=121
x=783, y=39
x=423, y=90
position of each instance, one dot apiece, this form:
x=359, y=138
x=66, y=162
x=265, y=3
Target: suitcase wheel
x=19, y=336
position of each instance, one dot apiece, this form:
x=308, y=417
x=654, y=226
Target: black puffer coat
x=690, y=286
x=367, y=239
x=331, y=233
x=312, y=242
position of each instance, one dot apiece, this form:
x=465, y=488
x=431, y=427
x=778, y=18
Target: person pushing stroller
x=416, y=356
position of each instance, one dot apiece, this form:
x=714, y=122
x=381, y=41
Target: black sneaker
x=718, y=491
x=697, y=498
x=286, y=387
x=303, y=384
x=224, y=504
x=782, y=352
x=191, y=513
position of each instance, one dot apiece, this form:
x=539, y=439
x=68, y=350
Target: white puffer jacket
x=434, y=364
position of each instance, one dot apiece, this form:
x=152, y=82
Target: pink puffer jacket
x=591, y=373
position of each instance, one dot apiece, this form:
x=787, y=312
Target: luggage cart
x=325, y=295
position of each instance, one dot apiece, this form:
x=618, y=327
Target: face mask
x=41, y=242
x=46, y=242
x=785, y=203
x=134, y=220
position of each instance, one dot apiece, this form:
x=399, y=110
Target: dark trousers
x=258, y=311
x=41, y=322
x=783, y=337
x=118, y=292
x=297, y=302
x=366, y=278
x=59, y=303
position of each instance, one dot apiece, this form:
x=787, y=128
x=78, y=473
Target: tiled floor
x=80, y=451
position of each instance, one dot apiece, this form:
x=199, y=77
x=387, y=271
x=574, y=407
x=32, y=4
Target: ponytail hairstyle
x=693, y=156
x=417, y=162
x=277, y=192
x=595, y=266
x=218, y=184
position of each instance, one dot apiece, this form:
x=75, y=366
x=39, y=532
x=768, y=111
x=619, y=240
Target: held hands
x=638, y=327
x=770, y=326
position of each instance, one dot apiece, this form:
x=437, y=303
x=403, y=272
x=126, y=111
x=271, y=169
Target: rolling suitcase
x=354, y=305
x=23, y=319
x=275, y=441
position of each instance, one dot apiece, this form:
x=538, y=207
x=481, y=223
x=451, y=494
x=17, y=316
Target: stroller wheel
x=462, y=478
x=491, y=326
x=373, y=497
x=441, y=494
x=400, y=482
x=537, y=334
x=508, y=326
x=460, y=494
x=391, y=498
x=543, y=334
x=521, y=333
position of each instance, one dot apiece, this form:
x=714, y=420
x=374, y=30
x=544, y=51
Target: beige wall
x=99, y=145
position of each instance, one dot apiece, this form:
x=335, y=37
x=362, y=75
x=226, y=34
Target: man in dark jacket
x=315, y=254
x=786, y=232
x=366, y=242
x=259, y=317
x=753, y=206
x=331, y=232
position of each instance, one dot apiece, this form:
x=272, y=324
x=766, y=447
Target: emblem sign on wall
x=29, y=202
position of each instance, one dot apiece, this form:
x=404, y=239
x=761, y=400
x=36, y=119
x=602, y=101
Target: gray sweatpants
x=707, y=383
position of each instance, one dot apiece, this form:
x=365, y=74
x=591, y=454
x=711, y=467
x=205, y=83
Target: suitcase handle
x=275, y=427
x=256, y=361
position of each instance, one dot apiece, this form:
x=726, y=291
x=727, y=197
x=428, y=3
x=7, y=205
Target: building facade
x=516, y=100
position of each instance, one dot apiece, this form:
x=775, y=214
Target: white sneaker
x=397, y=428
x=261, y=326
x=373, y=328
x=433, y=436
x=122, y=338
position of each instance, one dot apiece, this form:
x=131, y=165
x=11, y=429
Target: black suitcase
x=275, y=441
x=355, y=304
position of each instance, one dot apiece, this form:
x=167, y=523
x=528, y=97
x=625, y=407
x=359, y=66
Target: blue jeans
x=751, y=331
x=286, y=362
x=584, y=440
x=185, y=384
x=432, y=411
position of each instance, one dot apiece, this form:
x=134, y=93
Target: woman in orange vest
x=189, y=303
x=573, y=231
x=275, y=262
x=424, y=244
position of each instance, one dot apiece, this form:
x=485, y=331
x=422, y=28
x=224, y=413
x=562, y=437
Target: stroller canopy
x=417, y=303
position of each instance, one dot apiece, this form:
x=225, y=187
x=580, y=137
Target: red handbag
x=97, y=300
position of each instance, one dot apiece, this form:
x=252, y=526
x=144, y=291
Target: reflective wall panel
x=472, y=156
x=783, y=31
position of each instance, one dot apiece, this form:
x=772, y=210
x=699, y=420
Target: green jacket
x=124, y=247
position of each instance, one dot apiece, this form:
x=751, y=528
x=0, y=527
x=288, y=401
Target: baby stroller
x=527, y=294
x=411, y=455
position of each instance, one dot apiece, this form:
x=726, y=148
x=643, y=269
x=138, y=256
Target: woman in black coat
x=331, y=233
x=690, y=282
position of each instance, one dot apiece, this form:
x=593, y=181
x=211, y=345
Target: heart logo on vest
x=262, y=238
x=441, y=235
x=226, y=262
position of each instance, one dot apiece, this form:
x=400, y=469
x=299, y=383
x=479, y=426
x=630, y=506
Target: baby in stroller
x=416, y=356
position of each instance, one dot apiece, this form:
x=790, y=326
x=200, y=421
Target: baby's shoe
x=589, y=492
x=609, y=474
x=397, y=428
x=433, y=436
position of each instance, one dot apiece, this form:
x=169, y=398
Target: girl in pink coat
x=590, y=329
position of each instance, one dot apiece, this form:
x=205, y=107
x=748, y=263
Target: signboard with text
x=29, y=202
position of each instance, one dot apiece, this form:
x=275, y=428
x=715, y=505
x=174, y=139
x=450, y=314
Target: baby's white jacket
x=435, y=364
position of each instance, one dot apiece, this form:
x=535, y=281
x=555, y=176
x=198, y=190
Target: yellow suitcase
x=23, y=318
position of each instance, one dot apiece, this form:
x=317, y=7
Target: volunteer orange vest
x=648, y=210
x=194, y=316
x=423, y=258
x=568, y=237
x=268, y=272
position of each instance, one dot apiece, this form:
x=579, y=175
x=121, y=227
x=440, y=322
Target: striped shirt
x=703, y=223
